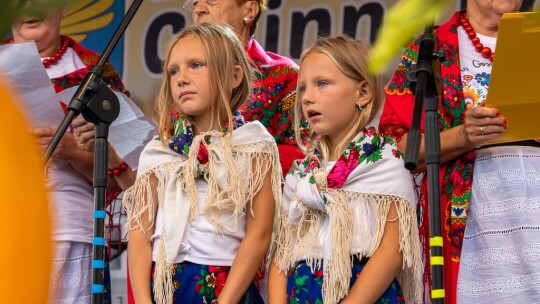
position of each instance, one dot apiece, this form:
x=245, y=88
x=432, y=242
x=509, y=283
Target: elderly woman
x=493, y=189
x=69, y=174
x=274, y=89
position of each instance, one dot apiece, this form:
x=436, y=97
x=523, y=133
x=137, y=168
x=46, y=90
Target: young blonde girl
x=200, y=214
x=347, y=232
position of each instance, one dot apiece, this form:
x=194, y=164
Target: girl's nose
x=306, y=97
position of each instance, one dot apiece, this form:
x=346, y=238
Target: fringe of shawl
x=245, y=173
x=163, y=278
x=242, y=185
x=139, y=198
x=297, y=242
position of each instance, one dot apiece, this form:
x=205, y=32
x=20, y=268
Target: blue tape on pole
x=96, y=288
x=98, y=264
x=99, y=214
x=99, y=241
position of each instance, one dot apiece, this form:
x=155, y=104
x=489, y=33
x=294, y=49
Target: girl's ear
x=364, y=93
x=238, y=76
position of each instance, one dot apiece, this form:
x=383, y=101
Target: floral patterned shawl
x=456, y=176
x=234, y=166
x=354, y=198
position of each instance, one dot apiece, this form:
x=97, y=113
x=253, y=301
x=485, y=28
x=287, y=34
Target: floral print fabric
x=194, y=284
x=304, y=286
x=274, y=93
x=366, y=148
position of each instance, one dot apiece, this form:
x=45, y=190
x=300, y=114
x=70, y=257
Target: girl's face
x=190, y=81
x=328, y=97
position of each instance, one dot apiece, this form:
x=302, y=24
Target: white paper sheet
x=21, y=64
x=129, y=132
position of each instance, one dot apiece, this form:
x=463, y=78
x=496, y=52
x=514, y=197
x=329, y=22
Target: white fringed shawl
x=237, y=165
x=378, y=181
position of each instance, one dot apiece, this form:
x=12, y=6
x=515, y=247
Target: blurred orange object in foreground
x=25, y=230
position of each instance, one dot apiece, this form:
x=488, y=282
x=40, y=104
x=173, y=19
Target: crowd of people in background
x=269, y=182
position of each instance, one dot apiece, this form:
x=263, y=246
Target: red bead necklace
x=64, y=44
x=484, y=50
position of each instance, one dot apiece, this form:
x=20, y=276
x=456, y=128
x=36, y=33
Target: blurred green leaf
x=15, y=8
x=401, y=24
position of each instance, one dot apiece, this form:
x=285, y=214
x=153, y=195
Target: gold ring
x=481, y=130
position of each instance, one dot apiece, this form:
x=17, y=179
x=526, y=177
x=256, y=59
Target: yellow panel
x=87, y=26
x=87, y=13
x=437, y=293
x=515, y=78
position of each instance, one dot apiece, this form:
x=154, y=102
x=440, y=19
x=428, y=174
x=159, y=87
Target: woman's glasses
x=190, y=5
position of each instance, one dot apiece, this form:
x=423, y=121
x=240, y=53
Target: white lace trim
x=506, y=207
x=504, y=178
x=505, y=231
x=508, y=155
x=512, y=285
x=501, y=256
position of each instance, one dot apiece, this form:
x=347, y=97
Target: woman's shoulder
x=268, y=60
x=88, y=56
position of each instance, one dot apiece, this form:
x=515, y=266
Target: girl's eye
x=322, y=83
x=196, y=65
x=174, y=71
x=302, y=88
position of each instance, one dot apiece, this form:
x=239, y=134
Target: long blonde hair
x=351, y=58
x=223, y=51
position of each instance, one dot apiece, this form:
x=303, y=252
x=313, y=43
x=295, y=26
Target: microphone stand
x=100, y=106
x=423, y=85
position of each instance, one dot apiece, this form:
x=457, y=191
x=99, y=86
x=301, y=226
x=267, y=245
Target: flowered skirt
x=305, y=286
x=194, y=284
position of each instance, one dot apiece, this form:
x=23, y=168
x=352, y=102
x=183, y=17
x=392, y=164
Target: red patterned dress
x=456, y=175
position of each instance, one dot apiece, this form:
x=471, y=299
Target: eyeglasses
x=190, y=5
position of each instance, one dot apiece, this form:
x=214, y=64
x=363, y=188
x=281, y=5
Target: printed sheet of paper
x=513, y=87
x=21, y=64
x=129, y=132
